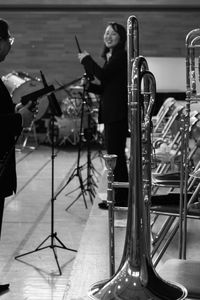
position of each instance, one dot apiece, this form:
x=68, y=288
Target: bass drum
x=20, y=84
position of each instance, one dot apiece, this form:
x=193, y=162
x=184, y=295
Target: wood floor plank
x=27, y=224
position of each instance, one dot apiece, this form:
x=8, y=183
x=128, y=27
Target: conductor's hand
x=82, y=55
x=27, y=114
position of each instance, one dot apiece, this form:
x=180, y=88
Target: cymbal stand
x=53, y=235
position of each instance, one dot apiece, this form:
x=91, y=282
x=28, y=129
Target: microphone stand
x=55, y=110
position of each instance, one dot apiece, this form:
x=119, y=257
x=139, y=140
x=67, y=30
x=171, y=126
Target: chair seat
x=169, y=179
x=167, y=199
x=185, y=272
x=169, y=204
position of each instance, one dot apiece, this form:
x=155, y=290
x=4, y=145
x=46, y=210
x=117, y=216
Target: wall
x=180, y=3
x=44, y=33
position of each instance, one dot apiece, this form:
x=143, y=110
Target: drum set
x=66, y=127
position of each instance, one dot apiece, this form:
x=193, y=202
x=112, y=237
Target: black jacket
x=10, y=127
x=113, y=86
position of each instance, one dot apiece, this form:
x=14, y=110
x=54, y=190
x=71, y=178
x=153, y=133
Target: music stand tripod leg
x=78, y=169
x=82, y=193
x=53, y=234
x=90, y=168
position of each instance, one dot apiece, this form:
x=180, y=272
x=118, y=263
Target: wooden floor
x=27, y=228
x=28, y=222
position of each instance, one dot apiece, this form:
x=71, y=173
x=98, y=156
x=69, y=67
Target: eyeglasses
x=11, y=40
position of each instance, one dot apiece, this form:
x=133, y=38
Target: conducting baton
x=77, y=43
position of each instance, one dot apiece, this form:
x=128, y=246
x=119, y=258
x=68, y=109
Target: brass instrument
x=136, y=279
x=132, y=51
x=192, y=42
x=110, y=162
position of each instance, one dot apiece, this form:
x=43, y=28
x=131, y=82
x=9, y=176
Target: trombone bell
x=136, y=284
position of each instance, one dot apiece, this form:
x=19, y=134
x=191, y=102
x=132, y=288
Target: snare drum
x=21, y=84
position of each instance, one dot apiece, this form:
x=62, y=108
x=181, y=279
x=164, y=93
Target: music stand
x=78, y=169
x=54, y=111
x=91, y=184
x=85, y=187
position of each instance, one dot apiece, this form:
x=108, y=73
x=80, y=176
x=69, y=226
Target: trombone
x=192, y=42
x=136, y=278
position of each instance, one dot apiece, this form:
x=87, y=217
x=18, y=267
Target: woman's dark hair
x=122, y=33
x=4, y=30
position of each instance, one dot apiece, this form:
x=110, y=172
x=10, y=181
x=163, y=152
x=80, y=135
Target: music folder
x=37, y=94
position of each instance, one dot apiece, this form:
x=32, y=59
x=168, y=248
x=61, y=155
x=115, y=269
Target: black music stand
x=79, y=168
x=54, y=111
x=88, y=186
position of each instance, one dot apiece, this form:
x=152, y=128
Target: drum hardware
x=136, y=278
x=54, y=109
x=89, y=185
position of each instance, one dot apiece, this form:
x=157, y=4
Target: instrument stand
x=53, y=235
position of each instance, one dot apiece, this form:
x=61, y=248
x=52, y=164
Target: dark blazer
x=113, y=86
x=10, y=127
